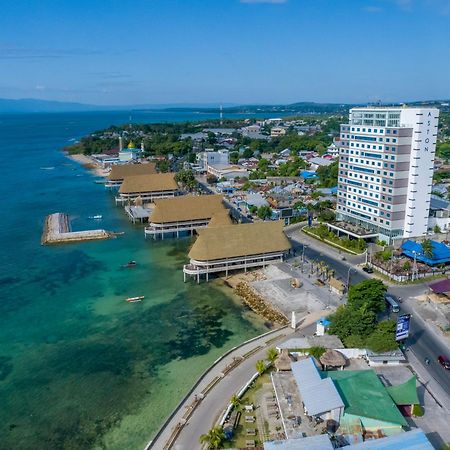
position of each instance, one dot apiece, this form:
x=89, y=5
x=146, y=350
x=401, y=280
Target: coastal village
x=287, y=212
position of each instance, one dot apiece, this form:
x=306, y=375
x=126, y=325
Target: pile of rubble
x=258, y=304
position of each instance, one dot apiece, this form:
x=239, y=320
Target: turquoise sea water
x=79, y=367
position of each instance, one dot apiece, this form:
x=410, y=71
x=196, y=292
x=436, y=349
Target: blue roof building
x=440, y=254
x=307, y=175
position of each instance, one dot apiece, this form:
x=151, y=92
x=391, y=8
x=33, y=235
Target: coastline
x=240, y=283
x=88, y=163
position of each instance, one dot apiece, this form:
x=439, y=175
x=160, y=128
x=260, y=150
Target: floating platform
x=57, y=230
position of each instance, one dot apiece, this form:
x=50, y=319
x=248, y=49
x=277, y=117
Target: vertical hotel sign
x=403, y=324
x=428, y=135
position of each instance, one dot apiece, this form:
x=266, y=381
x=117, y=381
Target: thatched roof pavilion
x=283, y=361
x=333, y=358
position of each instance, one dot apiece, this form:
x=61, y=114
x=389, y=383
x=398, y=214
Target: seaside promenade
x=206, y=402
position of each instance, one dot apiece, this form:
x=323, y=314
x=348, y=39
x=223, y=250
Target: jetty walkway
x=204, y=404
x=57, y=231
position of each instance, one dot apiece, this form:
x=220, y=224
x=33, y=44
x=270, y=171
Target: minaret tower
x=120, y=143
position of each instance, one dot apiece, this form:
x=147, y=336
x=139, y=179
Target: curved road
x=423, y=341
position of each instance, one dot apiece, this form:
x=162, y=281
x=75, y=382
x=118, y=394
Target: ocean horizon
x=80, y=368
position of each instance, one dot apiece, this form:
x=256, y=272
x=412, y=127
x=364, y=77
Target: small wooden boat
x=135, y=299
x=129, y=264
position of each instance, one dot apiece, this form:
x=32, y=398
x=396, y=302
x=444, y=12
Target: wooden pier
x=57, y=230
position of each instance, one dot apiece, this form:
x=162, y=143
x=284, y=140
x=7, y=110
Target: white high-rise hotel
x=386, y=169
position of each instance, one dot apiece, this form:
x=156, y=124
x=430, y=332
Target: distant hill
x=29, y=105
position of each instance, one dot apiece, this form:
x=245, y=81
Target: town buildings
x=386, y=169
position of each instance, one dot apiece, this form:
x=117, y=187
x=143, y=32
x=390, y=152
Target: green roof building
x=369, y=408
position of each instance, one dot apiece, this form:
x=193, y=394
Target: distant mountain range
x=28, y=105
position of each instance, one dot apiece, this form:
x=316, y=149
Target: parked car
x=367, y=269
x=444, y=362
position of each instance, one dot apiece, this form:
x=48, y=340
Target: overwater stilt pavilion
x=236, y=247
x=147, y=187
x=120, y=171
x=185, y=214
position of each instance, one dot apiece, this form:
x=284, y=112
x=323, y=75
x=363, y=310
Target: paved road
x=424, y=342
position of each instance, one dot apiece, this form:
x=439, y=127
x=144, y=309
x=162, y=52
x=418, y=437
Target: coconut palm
x=235, y=401
x=213, y=438
x=272, y=354
x=427, y=248
x=260, y=366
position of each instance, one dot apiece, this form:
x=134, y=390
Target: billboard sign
x=286, y=212
x=403, y=324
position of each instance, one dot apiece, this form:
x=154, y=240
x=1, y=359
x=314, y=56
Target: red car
x=444, y=362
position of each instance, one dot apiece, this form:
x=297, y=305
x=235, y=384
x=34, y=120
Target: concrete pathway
x=211, y=396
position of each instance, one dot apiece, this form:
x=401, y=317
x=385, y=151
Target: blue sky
x=231, y=51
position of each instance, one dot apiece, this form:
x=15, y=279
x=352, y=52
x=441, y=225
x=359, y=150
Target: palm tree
x=427, y=248
x=260, y=366
x=272, y=354
x=235, y=401
x=213, y=438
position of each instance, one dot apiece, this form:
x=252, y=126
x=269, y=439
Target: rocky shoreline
x=258, y=304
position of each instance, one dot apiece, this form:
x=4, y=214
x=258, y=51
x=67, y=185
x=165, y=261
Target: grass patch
x=249, y=398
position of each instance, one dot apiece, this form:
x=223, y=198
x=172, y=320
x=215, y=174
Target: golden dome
x=131, y=145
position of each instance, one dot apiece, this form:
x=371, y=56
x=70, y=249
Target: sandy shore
x=88, y=163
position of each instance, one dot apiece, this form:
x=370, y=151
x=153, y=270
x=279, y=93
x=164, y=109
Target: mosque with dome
x=130, y=153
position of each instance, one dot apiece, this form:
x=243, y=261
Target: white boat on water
x=96, y=217
x=135, y=299
x=46, y=168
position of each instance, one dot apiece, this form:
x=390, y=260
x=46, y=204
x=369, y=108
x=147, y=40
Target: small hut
x=333, y=358
x=283, y=361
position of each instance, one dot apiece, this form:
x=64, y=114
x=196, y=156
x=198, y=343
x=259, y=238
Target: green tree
x=213, y=438
x=264, y=212
x=247, y=153
x=163, y=165
x=368, y=293
x=235, y=401
x=272, y=354
x=383, y=338
x=407, y=266
x=260, y=366
x=427, y=248
x=355, y=341
x=211, y=179
x=263, y=165
x=317, y=352
x=187, y=178
x=234, y=157
x=437, y=229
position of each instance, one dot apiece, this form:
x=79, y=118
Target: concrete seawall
x=57, y=230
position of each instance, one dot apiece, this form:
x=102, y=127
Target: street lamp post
x=303, y=255
x=414, y=265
